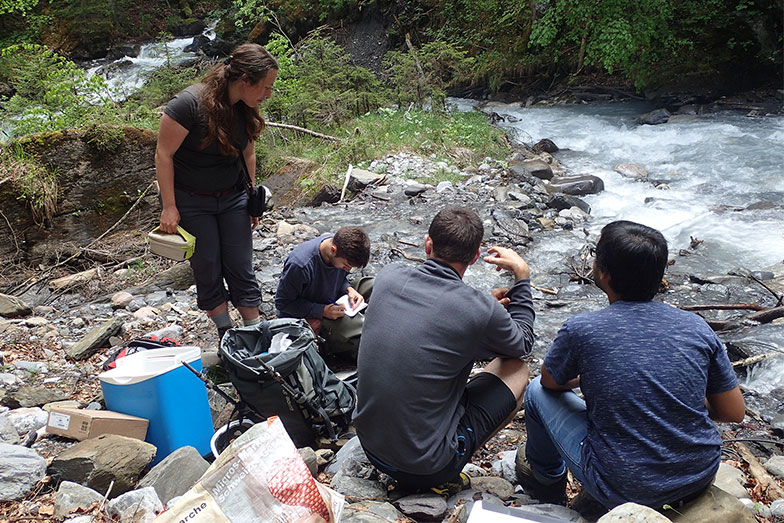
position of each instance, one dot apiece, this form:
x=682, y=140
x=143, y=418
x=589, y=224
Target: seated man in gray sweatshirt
x=417, y=417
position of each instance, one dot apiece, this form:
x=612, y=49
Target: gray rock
x=20, y=469
x=775, y=465
x=32, y=396
x=133, y=506
x=537, y=168
x=444, y=186
x=121, y=299
x=655, y=117
x=8, y=433
x=357, y=487
x=360, y=178
x=415, y=189
x=98, y=461
x=632, y=513
x=731, y=480
x=632, y=170
x=310, y=459
x=501, y=193
x=26, y=419
x=324, y=456
x=176, y=474
x=509, y=224
x=523, y=201
x=95, y=339
x=80, y=519
x=575, y=214
x=496, y=486
x=473, y=470
x=71, y=496
x=371, y=512
x=157, y=298
x=777, y=510
x=757, y=508
x=564, y=201
x=350, y=456
x=13, y=307
x=545, y=145
x=712, y=506
x=576, y=185
x=505, y=467
x=34, y=367
x=423, y=507
x=136, y=304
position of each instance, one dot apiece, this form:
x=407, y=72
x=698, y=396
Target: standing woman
x=206, y=131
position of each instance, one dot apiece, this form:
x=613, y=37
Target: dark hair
x=352, y=244
x=634, y=256
x=456, y=233
x=250, y=60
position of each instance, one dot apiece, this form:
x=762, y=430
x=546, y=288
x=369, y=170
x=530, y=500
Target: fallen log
x=759, y=473
x=724, y=307
x=303, y=131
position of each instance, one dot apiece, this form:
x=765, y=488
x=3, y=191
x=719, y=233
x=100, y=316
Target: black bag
x=295, y=384
x=258, y=197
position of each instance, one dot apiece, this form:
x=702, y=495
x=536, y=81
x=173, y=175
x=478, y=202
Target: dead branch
x=724, y=307
x=754, y=359
x=767, y=315
x=303, y=131
x=552, y=292
x=405, y=255
x=759, y=473
x=13, y=232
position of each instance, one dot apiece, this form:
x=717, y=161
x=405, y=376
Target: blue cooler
x=154, y=385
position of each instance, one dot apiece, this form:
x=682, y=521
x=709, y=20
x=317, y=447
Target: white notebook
x=343, y=300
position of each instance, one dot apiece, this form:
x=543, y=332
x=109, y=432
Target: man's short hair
x=634, y=256
x=352, y=244
x=456, y=233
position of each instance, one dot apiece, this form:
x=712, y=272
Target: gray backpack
x=294, y=384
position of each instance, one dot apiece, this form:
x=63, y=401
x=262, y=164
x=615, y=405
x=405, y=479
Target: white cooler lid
x=149, y=364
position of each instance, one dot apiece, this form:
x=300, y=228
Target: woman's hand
x=170, y=218
x=254, y=222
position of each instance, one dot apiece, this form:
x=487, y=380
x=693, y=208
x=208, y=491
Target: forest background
x=423, y=50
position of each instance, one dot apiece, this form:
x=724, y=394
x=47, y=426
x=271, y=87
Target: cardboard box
x=84, y=424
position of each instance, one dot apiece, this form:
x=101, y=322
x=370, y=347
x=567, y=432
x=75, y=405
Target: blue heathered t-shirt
x=645, y=369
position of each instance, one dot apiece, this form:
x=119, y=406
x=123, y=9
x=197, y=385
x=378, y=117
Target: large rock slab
x=97, y=462
x=13, y=307
x=712, y=506
x=31, y=396
x=176, y=474
x=20, y=469
x=536, y=168
x=361, y=178
x=731, y=480
x=136, y=505
x=95, y=339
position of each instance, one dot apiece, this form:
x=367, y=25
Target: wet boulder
x=632, y=170
x=198, y=44
x=559, y=202
x=545, y=145
x=576, y=185
x=120, y=51
x=655, y=117
x=536, y=168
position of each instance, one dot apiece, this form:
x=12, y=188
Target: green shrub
x=35, y=184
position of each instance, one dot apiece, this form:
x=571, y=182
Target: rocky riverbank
x=56, y=333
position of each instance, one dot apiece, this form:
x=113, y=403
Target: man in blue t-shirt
x=653, y=378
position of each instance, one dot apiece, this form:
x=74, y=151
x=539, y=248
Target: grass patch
x=457, y=138
x=36, y=184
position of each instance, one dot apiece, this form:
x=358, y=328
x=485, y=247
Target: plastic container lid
x=149, y=364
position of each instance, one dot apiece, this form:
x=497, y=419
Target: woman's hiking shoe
x=554, y=493
x=450, y=488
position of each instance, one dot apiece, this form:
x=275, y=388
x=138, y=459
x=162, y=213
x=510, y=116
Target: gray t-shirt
x=197, y=169
x=645, y=369
x=423, y=330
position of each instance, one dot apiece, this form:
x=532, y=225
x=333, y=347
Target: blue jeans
x=557, y=424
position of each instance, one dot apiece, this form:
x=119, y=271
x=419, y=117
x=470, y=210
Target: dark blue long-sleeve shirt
x=307, y=283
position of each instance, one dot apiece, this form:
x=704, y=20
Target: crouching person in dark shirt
x=653, y=378
x=315, y=276
x=417, y=418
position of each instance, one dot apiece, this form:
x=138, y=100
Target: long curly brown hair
x=251, y=60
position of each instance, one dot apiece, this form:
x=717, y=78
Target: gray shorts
x=224, y=248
